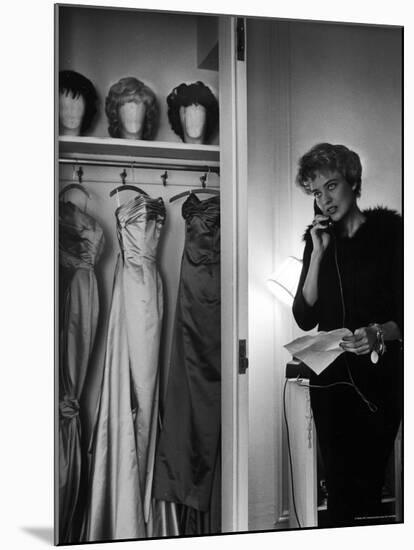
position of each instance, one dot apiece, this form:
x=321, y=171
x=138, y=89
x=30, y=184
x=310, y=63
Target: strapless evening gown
x=81, y=242
x=123, y=443
x=188, y=452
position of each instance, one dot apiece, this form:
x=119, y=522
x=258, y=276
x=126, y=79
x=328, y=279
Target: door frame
x=234, y=295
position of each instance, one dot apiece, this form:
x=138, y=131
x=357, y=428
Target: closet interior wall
x=162, y=50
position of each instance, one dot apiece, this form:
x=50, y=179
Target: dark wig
x=334, y=158
x=193, y=94
x=130, y=89
x=78, y=85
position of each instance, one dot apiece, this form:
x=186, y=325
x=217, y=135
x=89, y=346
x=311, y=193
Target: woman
x=352, y=277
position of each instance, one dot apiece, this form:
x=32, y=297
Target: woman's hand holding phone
x=320, y=234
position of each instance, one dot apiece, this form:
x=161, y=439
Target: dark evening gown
x=187, y=470
x=123, y=444
x=80, y=245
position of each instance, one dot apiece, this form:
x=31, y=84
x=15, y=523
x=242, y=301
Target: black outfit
x=355, y=441
x=187, y=466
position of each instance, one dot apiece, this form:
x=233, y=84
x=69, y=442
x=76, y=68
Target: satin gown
x=123, y=445
x=80, y=245
x=188, y=451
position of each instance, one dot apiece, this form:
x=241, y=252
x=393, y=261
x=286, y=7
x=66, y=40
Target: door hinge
x=241, y=39
x=243, y=360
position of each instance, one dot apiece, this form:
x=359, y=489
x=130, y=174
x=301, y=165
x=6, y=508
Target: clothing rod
x=149, y=165
x=169, y=184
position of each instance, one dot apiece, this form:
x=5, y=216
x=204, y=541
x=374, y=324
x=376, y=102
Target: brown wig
x=131, y=89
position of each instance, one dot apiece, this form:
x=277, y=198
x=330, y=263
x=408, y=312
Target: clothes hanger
x=78, y=186
x=198, y=190
x=126, y=186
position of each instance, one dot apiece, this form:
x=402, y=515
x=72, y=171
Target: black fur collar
x=380, y=221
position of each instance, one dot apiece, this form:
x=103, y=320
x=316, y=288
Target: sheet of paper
x=320, y=350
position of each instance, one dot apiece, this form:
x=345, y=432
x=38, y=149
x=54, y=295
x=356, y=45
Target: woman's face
x=333, y=194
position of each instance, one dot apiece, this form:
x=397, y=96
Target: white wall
x=307, y=82
x=346, y=88
x=264, y=487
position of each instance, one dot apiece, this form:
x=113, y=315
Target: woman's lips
x=331, y=210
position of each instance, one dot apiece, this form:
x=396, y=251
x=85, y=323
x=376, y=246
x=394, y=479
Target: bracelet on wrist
x=379, y=347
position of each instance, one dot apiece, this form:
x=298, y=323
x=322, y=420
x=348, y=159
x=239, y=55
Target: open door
x=233, y=170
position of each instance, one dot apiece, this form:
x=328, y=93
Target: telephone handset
x=318, y=211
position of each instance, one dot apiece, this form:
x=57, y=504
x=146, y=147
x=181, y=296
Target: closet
x=164, y=50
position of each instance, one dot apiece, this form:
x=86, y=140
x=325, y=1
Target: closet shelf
x=130, y=151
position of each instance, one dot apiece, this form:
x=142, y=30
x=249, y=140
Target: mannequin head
x=132, y=110
x=77, y=103
x=193, y=112
x=193, y=123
